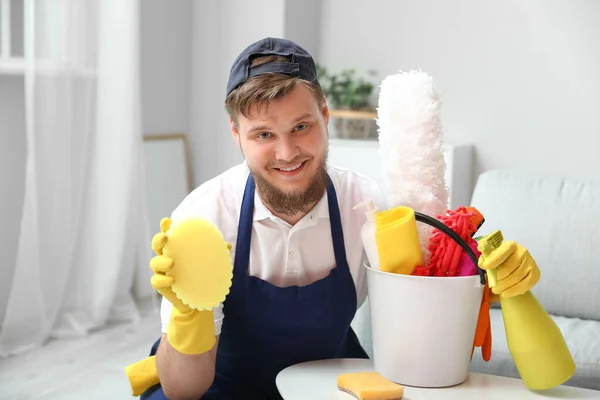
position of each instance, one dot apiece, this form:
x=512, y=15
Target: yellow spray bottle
x=536, y=344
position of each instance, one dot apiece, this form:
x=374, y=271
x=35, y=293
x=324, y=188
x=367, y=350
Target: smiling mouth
x=295, y=167
x=292, y=169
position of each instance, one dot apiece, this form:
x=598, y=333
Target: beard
x=296, y=201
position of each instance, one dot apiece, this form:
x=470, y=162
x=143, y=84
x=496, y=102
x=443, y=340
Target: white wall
x=302, y=24
x=518, y=79
x=166, y=42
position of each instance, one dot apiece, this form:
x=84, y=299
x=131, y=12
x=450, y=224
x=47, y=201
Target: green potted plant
x=347, y=91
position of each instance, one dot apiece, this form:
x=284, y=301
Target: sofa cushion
x=583, y=340
x=558, y=221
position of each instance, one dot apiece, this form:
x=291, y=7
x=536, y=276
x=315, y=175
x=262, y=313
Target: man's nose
x=287, y=149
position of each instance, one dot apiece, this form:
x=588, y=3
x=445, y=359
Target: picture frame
x=168, y=171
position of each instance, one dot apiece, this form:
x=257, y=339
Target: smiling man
x=298, y=274
x=283, y=135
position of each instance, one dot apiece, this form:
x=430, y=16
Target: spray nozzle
x=370, y=209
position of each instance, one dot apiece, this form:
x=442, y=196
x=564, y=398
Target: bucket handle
x=454, y=236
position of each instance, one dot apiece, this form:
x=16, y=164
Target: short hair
x=263, y=89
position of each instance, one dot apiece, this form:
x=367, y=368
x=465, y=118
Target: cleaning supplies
x=439, y=225
x=204, y=266
x=466, y=267
x=411, y=147
x=535, y=342
x=369, y=386
x=483, y=329
x=142, y=375
x=367, y=233
x=193, y=270
x=445, y=252
x=398, y=240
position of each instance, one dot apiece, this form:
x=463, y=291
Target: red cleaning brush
x=445, y=252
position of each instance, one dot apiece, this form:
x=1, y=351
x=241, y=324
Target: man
x=298, y=277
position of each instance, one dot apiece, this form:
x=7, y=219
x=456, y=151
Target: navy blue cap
x=301, y=63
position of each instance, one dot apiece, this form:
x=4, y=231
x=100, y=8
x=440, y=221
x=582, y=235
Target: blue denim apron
x=268, y=328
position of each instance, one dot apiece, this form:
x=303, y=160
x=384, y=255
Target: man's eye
x=301, y=127
x=263, y=135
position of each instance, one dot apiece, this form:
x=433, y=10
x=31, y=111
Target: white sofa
x=558, y=221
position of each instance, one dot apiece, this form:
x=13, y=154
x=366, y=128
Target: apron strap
x=243, y=242
x=337, y=233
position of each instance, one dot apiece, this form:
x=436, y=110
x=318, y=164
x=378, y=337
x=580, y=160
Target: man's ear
x=325, y=111
x=234, y=131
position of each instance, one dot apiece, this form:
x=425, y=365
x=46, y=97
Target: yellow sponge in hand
x=369, y=386
x=142, y=375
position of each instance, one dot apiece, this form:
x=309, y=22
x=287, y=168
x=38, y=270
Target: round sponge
x=202, y=267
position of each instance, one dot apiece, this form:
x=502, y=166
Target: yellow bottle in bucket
x=394, y=227
x=535, y=342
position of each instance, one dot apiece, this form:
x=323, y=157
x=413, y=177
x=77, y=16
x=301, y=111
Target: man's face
x=285, y=145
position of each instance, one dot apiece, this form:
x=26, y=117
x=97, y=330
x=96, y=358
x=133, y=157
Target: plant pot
x=354, y=128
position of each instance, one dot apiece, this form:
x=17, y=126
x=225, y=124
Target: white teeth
x=291, y=169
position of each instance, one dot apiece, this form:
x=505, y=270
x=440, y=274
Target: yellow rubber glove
x=516, y=270
x=190, y=331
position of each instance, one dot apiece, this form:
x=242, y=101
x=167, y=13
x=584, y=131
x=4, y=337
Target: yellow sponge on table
x=369, y=386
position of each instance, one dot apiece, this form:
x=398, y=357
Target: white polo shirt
x=282, y=254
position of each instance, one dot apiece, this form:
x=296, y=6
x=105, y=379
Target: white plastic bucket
x=423, y=327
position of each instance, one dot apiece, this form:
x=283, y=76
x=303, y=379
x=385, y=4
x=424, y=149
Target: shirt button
x=292, y=254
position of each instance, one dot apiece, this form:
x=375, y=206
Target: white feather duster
x=411, y=147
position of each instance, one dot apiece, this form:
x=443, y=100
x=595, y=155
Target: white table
x=317, y=380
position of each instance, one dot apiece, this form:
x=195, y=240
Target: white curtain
x=84, y=241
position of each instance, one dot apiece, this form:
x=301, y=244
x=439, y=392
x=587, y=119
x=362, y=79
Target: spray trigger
x=370, y=209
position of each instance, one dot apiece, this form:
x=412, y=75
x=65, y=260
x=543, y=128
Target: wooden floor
x=89, y=368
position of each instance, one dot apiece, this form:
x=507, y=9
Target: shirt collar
x=260, y=211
